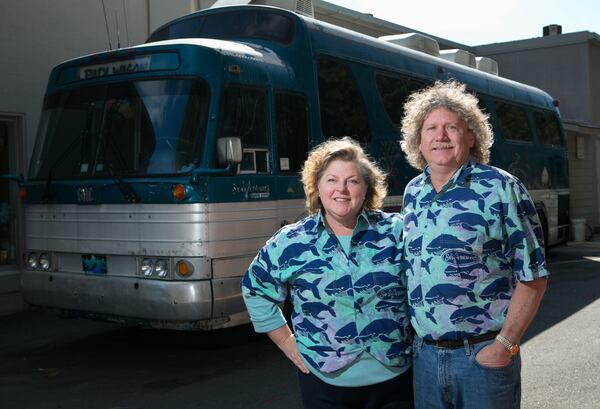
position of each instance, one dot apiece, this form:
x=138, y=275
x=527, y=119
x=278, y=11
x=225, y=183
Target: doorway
x=11, y=148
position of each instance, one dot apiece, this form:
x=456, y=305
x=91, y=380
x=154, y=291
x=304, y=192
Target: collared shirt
x=345, y=303
x=465, y=248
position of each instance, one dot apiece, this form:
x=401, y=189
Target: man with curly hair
x=474, y=256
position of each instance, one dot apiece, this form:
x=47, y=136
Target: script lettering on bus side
x=251, y=190
x=120, y=67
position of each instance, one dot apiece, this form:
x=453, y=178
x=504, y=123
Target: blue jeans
x=452, y=379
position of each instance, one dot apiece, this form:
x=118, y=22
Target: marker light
x=234, y=69
x=185, y=268
x=178, y=192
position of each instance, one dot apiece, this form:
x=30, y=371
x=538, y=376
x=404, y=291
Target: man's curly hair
x=453, y=96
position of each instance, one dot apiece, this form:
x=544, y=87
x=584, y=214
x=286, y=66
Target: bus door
x=291, y=150
x=243, y=113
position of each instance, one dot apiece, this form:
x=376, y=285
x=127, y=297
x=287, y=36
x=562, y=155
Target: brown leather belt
x=457, y=343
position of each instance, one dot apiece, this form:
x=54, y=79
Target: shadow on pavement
x=574, y=283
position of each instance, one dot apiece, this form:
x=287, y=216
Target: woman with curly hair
x=341, y=267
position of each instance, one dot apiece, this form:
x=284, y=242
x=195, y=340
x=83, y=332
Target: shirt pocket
x=462, y=255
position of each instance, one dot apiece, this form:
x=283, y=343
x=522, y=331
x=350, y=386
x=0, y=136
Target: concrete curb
x=590, y=244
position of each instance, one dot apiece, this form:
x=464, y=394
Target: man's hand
x=494, y=355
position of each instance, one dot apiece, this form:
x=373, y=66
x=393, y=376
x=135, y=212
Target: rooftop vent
x=304, y=7
x=460, y=57
x=487, y=65
x=552, y=30
x=415, y=41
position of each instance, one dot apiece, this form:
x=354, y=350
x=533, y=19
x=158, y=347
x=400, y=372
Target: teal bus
x=159, y=170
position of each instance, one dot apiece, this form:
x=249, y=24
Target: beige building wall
x=583, y=175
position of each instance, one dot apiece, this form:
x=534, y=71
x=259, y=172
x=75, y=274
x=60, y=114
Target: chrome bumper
x=163, y=304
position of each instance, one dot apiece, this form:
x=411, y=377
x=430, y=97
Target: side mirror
x=229, y=151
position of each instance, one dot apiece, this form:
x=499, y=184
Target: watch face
x=514, y=349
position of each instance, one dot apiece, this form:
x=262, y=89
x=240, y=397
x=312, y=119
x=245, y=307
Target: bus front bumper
x=153, y=303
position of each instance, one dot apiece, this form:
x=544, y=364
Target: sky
x=477, y=22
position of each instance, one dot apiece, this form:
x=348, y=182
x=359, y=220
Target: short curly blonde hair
x=348, y=150
x=453, y=96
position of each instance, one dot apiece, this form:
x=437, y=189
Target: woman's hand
x=494, y=355
x=284, y=339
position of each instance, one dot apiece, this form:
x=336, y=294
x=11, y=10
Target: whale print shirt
x=465, y=248
x=344, y=303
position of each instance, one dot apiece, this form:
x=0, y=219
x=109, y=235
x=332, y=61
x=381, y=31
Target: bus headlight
x=161, y=268
x=146, y=267
x=45, y=262
x=32, y=261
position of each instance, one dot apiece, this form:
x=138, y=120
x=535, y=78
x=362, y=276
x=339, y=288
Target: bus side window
x=393, y=92
x=548, y=129
x=513, y=122
x=343, y=111
x=243, y=114
x=291, y=124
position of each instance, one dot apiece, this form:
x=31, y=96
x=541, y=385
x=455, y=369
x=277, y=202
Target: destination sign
x=115, y=68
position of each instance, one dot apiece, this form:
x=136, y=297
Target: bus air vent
x=459, y=56
x=415, y=41
x=487, y=64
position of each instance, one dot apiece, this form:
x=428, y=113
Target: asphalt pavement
x=561, y=349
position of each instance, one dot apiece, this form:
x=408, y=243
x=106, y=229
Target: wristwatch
x=512, y=348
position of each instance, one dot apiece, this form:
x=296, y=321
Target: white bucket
x=578, y=228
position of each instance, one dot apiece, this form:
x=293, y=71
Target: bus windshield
x=129, y=129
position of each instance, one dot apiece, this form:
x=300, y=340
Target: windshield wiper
x=46, y=193
x=124, y=187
